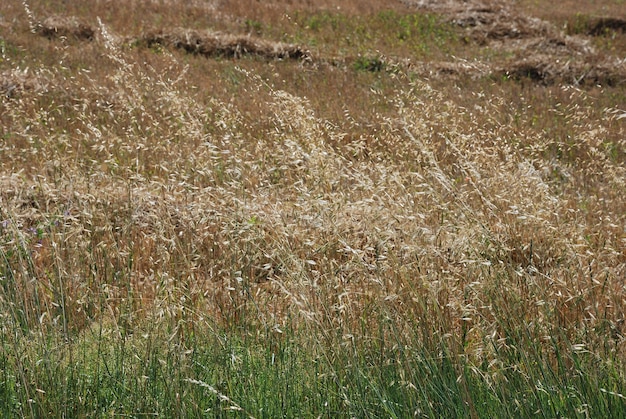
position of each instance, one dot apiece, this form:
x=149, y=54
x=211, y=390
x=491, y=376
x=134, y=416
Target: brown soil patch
x=218, y=44
x=65, y=26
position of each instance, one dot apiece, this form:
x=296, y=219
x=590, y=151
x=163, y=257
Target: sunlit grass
x=340, y=237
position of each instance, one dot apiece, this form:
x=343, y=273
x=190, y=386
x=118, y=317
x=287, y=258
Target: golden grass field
x=454, y=169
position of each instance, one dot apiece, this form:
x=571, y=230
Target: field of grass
x=216, y=208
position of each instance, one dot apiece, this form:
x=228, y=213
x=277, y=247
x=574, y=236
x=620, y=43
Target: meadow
x=313, y=208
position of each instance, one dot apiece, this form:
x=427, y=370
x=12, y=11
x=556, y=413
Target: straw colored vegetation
x=61, y=26
x=312, y=209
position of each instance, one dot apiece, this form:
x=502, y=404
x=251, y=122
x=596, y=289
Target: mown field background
x=220, y=208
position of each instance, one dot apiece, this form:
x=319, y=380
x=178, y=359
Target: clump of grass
x=214, y=44
x=373, y=64
x=62, y=26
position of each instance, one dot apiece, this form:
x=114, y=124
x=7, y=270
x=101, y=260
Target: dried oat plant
x=130, y=200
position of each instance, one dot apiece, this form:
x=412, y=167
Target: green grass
x=173, y=363
x=197, y=371
x=388, y=32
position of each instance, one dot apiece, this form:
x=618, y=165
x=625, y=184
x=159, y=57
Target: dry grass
x=62, y=26
x=216, y=44
x=540, y=50
x=564, y=10
x=16, y=80
x=154, y=187
x=158, y=182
